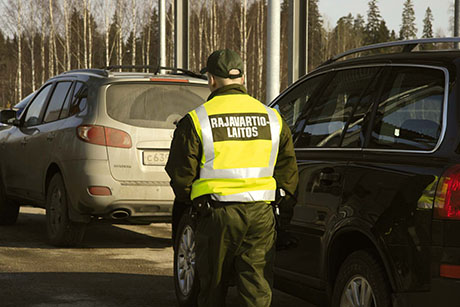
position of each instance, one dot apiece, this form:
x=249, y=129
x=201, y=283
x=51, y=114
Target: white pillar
x=273, y=49
x=457, y=21
x=162, y=33
x=181, y=22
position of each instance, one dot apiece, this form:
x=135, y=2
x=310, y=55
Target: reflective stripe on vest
x=208, y=170
x=248, y=196
x=217, y=177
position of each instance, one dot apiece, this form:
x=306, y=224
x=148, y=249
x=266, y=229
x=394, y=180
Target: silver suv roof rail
x=96, y=71
x=156, y=70
x=409, y=45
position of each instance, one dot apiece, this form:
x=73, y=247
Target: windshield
x=153, y=105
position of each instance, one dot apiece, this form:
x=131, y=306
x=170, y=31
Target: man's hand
x=202, y=205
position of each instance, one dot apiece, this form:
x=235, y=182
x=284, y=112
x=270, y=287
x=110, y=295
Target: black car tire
x=8, y=210
x=186, y=282
x=361, y=271
x=61, y=230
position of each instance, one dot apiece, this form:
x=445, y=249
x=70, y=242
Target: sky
x=391, y=12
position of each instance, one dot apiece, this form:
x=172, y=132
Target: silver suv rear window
x=153, y=105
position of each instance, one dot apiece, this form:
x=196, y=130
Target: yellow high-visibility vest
x=240, y=138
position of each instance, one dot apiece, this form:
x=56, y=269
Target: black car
x=377, y=217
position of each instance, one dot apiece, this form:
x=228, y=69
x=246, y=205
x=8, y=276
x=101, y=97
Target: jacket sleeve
x=286, y=174
x=184, y=159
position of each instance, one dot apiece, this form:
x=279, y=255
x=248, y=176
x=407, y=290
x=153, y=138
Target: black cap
x=224, y=63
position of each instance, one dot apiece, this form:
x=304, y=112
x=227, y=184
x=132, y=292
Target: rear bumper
x=444, y=292
x=146, y=201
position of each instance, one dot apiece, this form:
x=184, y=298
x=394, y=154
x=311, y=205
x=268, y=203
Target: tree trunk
x=42, y=50
x=133, y=47
x=32, y=61
x=120, y=33
x=147, y=59
x=67, y=34
x=19, y=32
x=107, y=34
x=243, y=33
x=260, y=50
x=85, y=21
x=90, y=39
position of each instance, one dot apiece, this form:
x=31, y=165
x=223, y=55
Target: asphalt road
x=116, y=265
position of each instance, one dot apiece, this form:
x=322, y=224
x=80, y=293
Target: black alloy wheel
x=361, y=282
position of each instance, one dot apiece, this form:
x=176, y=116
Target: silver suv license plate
x=155, y=157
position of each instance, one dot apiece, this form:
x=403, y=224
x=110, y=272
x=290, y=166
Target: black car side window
x=291, y=105
x=60, y=93
x=36, y=108
x=410, y=110
x=341, y=106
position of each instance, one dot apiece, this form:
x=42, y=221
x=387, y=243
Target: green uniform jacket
x=183, y=166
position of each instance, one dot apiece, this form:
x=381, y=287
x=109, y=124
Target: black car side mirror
x=6, y=116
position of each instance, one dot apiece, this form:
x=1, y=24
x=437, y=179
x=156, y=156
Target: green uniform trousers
x=236, y=242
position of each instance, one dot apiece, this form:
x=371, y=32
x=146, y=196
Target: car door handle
x=329, y=177
x=24, y=142
x=50, y=136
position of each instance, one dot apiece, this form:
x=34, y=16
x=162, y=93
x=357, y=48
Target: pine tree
x=383, y=33
x=373, y=23
x=315, y=37
x=428, y=24
x=408, y=29
x=358, y=31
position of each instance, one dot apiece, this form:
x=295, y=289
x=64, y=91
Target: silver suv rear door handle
x=50, y=136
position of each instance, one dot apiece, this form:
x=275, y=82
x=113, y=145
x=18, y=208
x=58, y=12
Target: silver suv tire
x=8, y=210
x=61, y=230
x=186, y=280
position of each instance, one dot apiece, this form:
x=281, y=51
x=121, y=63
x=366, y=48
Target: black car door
x=326, y=137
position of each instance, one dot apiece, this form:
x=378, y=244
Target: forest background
x=42, y=38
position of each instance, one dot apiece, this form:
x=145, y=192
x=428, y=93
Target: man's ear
x=212, y=81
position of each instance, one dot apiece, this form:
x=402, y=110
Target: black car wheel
x=361, y=282
x=61, y=230
x=185, y=278
x=8, y=210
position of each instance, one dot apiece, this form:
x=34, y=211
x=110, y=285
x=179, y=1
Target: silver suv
x=92, y=144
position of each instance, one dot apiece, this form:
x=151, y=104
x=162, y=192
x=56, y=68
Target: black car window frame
x=297, y=90
x=379, y=97
x=69, y=90
x=43, y=108
x=382, y=73
x=302, y=120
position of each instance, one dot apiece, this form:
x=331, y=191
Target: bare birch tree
x=120, y=15
x=85, y=23
x=19, y=34
x=134, y=33
x=67, y=34
x=90, y=36
x=243, y=33
x=30, y=30
x=43, y=14
x=52, y=41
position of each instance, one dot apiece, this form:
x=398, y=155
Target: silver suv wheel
x=186, y=261
x=61, y=230
x=358, y=293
